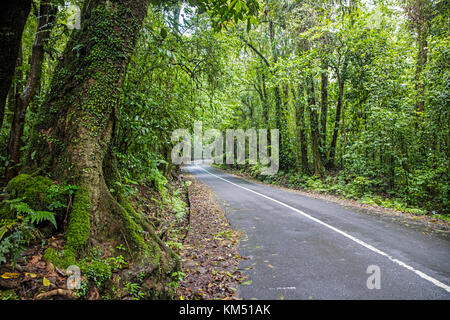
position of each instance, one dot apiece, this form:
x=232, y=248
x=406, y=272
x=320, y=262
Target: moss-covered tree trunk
x=72, y=134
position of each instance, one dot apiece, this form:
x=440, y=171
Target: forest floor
x=210, y=256
x=434, y=222
x=202, y=237
x=34, y=278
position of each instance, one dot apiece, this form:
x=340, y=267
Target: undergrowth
x=362, y=189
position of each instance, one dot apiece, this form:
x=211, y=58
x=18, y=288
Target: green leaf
x=3, y=230
x=163, y=33
x=21, y=207
x=238, y=6
x=39, y=216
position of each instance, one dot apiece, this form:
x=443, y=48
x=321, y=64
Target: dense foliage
x=359, y=90
x=357, y=104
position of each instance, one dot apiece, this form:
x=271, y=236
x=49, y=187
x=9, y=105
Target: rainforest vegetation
x=91, y=91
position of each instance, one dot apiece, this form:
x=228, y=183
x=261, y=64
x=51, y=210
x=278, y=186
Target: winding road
x=306, y=248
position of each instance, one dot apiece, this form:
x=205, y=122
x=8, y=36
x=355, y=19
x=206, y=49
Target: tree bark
x=46, y=17
x=323, y=112
x=317, y=161
x=300, y=115
x=13, y=16
x=341, y=85
x=420, y=66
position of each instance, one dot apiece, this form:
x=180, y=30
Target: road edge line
x=360, y=242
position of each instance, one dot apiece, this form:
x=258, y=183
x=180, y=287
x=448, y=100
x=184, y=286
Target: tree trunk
x=72, y=137
x=13, y=16
x=420, y=66
x=420, y=12
x=323, y=112
x=280, y=118
x=46, y=17
x=264, y=99
x=17, y=85
x=278, y=102
x=300, y=114
x=317, y=161
x=337, y=120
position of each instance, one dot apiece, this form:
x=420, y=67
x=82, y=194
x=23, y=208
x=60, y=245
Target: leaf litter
x=210, y=257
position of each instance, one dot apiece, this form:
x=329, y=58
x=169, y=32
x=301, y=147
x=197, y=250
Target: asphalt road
x=306, y=248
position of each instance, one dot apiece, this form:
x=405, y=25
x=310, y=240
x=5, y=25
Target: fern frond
x=39, y=216
x=21, y=207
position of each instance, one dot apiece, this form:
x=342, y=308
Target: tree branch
x=45, y=21
x=256, y=51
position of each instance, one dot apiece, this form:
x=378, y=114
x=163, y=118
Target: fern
x=13, y=245
x=16, y=233
x=39, y=216
x=3, y=230
x=19, y=206
x=35, y=216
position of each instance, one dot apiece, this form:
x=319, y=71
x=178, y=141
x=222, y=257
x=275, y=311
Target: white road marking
x=362, y=243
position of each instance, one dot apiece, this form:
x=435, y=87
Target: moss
x=8, y=295
x=161, y=263
x=34, y=190
x=134, y=231
x=39, y=192
x=97, y=271
x=144, y=245
x=79, y=227
x=62, y=259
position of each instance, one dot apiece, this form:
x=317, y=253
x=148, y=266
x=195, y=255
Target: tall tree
x=13, y=16
x=314, y=123
x=419, y=14
x=71, y=139
x=323, y=110
x=301, y=127
x=46, y=18
x=341, y=78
